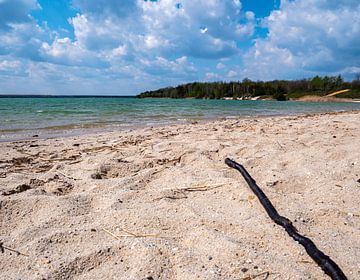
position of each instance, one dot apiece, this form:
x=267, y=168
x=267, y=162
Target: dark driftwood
x=324, y=261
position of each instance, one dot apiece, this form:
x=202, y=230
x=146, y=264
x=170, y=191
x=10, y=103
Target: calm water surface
x=36, y=115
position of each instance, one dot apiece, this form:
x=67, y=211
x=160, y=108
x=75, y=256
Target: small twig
x=113, y=235
x=173, y=197
x=176, y=194
x=266, y=273
x=144, y=180
x=130, y=234
x=96, y=149
x=41, y=170
x=3, y=248
x=159, y=170
x=281, y=147
x=189, y=189
x=75, y=162
x=201, y=188
x=140, y=173
x=71, y=178
x=303, y=144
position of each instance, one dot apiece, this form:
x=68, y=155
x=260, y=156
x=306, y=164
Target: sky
x=124, y=47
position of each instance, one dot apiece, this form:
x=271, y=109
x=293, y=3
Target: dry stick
x=200, y=188
x=266, y=274
x=191, y=189
x=3, y=248
x=71, y=178
x=281, y=147
x=173, y=196
x=130, y=234
x=113, y=235
x=324, y=261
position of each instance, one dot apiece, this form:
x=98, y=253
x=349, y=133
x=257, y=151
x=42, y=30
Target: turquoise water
x=71, y=113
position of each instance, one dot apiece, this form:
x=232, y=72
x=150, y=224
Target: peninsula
x=247, y=89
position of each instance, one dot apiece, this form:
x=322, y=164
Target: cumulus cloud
x=131, y=39
x=143, y=44
x=305, y=38
x=20, y=35
x=15, y=11
x=156, y=37
x=232, y=74
x=6, y=64
x=197, y=28
x=211, y=76
x=162, y=66
x=207, y=29
x=106, y=7
x=64, y=51
x=10, y=67
x=220, y=66
x=96, y=33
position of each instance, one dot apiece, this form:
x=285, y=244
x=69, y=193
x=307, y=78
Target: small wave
x=72, y=126
x=39, y=111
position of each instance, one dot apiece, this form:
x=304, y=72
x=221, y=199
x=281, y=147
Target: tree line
x=246, y=89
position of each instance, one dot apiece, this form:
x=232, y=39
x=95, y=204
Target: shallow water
x=54, y=114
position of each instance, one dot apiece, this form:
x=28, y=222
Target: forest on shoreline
x=247, y=89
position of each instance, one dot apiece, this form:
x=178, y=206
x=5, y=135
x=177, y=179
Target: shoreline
x=47, y=133
x=160, y=202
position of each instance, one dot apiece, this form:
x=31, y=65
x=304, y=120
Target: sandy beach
x=159, y=203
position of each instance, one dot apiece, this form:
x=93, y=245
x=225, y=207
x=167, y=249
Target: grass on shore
x=350, y=94
x=354, y=93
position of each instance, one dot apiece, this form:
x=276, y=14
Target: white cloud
x=119, y=51
x=161, y=66
x=220, y=66
x=20, y=35
x=164, y=27
x=147, y=44
x=232, y=74
x=149, y=38
x=306, y=38
x=212, y=76
x=99, y=33
x=64, y=51
x=106, y=7
x=213, y=25
x=9, y=65
x=153, y=42
x=15, y=11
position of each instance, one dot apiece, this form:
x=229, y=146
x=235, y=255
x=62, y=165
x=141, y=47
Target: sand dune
x=160, y=203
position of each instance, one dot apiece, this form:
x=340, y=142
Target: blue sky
x=128, y=46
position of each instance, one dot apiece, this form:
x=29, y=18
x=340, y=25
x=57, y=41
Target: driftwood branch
x=324, y=261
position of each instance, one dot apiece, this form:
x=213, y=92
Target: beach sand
x=159, y=203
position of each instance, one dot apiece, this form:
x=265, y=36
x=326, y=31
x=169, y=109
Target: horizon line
x=61, y=95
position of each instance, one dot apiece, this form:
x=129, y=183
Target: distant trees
x=326, y=83
x=277, y=89
x=356, y=82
